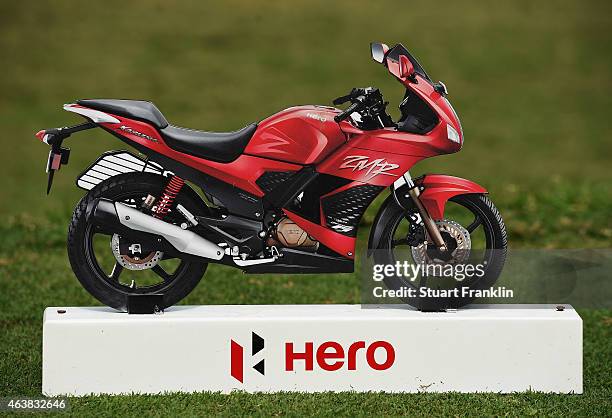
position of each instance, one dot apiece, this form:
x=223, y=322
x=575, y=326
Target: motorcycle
x=284, y=195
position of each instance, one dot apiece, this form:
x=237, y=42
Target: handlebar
x=352, y=108
x=358, y=97
x=368, y=100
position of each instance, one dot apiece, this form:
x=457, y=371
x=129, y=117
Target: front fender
x=438, y=188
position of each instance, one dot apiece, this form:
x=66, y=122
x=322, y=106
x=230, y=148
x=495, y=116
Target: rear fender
x=436, y=189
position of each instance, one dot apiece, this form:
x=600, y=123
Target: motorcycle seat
x=222, y=147
x=134, y=109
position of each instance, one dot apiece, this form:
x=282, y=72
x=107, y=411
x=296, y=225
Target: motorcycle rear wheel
x=96, y=267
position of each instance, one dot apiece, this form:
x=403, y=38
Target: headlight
x=453, y=137
x=452, y=134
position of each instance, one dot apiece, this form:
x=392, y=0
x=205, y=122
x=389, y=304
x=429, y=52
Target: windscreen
x=399, y=49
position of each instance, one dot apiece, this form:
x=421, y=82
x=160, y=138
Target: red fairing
x=442, y=107
x=242, y=172
x=439, y=188
x=379, y=157
x=140, y=132
x=302, y=135
x=423, y=88
x=367, y=166
x=390, y=140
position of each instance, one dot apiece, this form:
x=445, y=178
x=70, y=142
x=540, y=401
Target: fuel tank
x=301, y=134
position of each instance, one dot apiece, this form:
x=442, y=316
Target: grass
x=530, y=80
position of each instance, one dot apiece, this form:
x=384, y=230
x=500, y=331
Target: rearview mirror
x=406, y=68
x=378, y=51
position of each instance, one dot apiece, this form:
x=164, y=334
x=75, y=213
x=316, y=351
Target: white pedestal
x=499, y=348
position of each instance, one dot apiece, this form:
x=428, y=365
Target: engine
x=287, y=233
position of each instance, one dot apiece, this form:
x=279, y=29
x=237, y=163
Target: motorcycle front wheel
x=112, y=278
x=475, y=234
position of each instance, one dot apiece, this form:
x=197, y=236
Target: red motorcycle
x=284, y=195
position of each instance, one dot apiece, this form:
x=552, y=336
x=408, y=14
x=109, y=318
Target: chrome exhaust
x=110, y=213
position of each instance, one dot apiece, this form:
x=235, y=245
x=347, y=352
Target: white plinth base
x=499, y=348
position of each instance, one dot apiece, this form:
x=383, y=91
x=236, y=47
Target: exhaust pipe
x=118, y=215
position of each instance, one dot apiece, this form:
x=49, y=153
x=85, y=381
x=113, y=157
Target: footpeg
x=186, y=214
x=243, y=263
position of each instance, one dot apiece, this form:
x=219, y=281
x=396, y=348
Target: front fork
x=404, y=189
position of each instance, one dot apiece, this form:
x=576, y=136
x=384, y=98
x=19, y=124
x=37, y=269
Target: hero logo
x=136, y=133
x=373, y=168
x=329, y=356
x=237, y=357
x=332, y=356
x=316, y=117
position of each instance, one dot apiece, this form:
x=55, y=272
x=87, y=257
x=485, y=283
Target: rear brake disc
x=141, y=262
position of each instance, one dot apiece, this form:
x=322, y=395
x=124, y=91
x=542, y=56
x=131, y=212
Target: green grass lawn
x=531, y=82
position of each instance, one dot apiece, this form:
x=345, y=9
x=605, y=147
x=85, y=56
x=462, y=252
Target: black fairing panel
x=309, y=207
x=417, y=116
x=269, y=180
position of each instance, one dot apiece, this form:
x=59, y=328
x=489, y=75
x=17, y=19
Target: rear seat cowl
x=134, y=109
x=215, y=146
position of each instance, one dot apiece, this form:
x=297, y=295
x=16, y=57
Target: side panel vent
x=344, y=210
x=270, y=179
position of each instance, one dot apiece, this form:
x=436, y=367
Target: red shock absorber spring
x=171, y=190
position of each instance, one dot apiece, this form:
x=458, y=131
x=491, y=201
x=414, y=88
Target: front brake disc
x=458, y=234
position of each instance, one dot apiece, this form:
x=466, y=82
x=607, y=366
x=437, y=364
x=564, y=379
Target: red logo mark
x=237, y=357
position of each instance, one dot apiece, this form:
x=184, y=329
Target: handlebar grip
x=340, y=117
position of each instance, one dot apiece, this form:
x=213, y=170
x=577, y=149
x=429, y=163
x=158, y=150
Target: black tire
x=390, y=216
x=80, y=249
